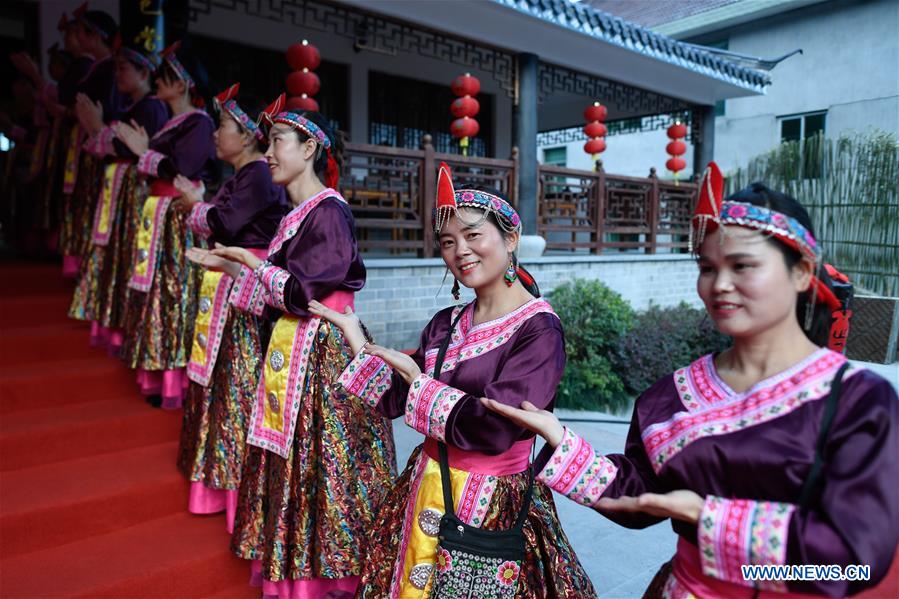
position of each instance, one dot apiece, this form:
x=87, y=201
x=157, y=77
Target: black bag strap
x=812, y=481
x=444, y=458
x=441, y=353
x=448, y=490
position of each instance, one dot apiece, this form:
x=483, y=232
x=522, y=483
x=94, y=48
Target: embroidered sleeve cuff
x=148, y=163
x=577, y=471
x=367, y=377
x=274, y=282
x=197, y=220
x=101, y=143
x=247, y=293
x=737, y=532
x=429, y=404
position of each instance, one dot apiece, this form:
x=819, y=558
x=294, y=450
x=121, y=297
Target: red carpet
x=91, y=504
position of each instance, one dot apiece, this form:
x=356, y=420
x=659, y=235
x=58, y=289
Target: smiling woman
x=776, y=451
x=506, y=345
x=317, y=462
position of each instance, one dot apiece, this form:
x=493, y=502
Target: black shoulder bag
x=812, y=486
x=473, y=562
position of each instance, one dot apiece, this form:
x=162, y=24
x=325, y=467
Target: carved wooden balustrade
x=592, y=211
x=391, y=191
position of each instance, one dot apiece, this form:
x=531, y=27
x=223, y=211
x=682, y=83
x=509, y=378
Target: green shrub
x=595, y=320
x=663, y=340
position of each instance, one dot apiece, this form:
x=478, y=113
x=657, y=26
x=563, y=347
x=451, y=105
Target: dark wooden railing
x=592, y=211
x=391, y=191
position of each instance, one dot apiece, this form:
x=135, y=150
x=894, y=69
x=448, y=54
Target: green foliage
x=595, y=319
x=614, y=354
x=663, y=340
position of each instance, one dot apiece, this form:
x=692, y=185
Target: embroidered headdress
x=96, y=21
x=712, y=211
x=301, y=123
x=139, y=56
x=449, y=200
x=169, y=55
x=225, y=101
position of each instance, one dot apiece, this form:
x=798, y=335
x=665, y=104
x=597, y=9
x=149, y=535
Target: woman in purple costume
x=725, y=446
x=508, y=345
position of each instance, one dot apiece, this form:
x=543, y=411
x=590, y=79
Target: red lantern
x=465, y=106
x=675, y=165
x=676, y=148
x=303, y=82
x=303, y=102
x=595, y=112
x=595, y=129
x=303, y=56
x=595, y=146
x=677, y=130
x=465, y=127
x=466, y=85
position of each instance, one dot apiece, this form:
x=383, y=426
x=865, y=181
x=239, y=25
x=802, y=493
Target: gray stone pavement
x=620, y=561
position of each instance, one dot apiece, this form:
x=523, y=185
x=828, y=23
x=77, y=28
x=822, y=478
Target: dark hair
x=759, y=194
x=103, y=24
x=321, y=159
x=528, y=280
x=253, y=106
x=200, y=94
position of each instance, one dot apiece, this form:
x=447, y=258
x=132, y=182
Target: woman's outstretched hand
x=682, y=504
x=209, y=261
x=191, y=194
x=530, y=417
x=346, y=321
x=134, y=136
x=402, y=364
x=236, y=254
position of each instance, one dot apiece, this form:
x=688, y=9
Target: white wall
x=264, y=33
x=849, y=67
x=631, y=154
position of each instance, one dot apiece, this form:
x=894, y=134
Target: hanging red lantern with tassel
x=676, y=148
x=465, y=108
x=303, y=83
x=595, y=129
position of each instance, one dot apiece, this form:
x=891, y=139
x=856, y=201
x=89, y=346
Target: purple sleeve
x=531, y=371
x=628, y=474
x=149, y=113
x=857, y=519
x=252, y=193
x=318, y=261
x=191, y=154
x=373, y=381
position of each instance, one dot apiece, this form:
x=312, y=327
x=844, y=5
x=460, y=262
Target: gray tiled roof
x=614, y=30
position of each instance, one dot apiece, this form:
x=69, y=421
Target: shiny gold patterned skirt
x=307, y=516
x=160, y=323
x=113, y=296
x=78, y=208
x=216, y=417
x=550, y=568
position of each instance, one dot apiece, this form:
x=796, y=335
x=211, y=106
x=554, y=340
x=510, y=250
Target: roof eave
x=728, y=16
